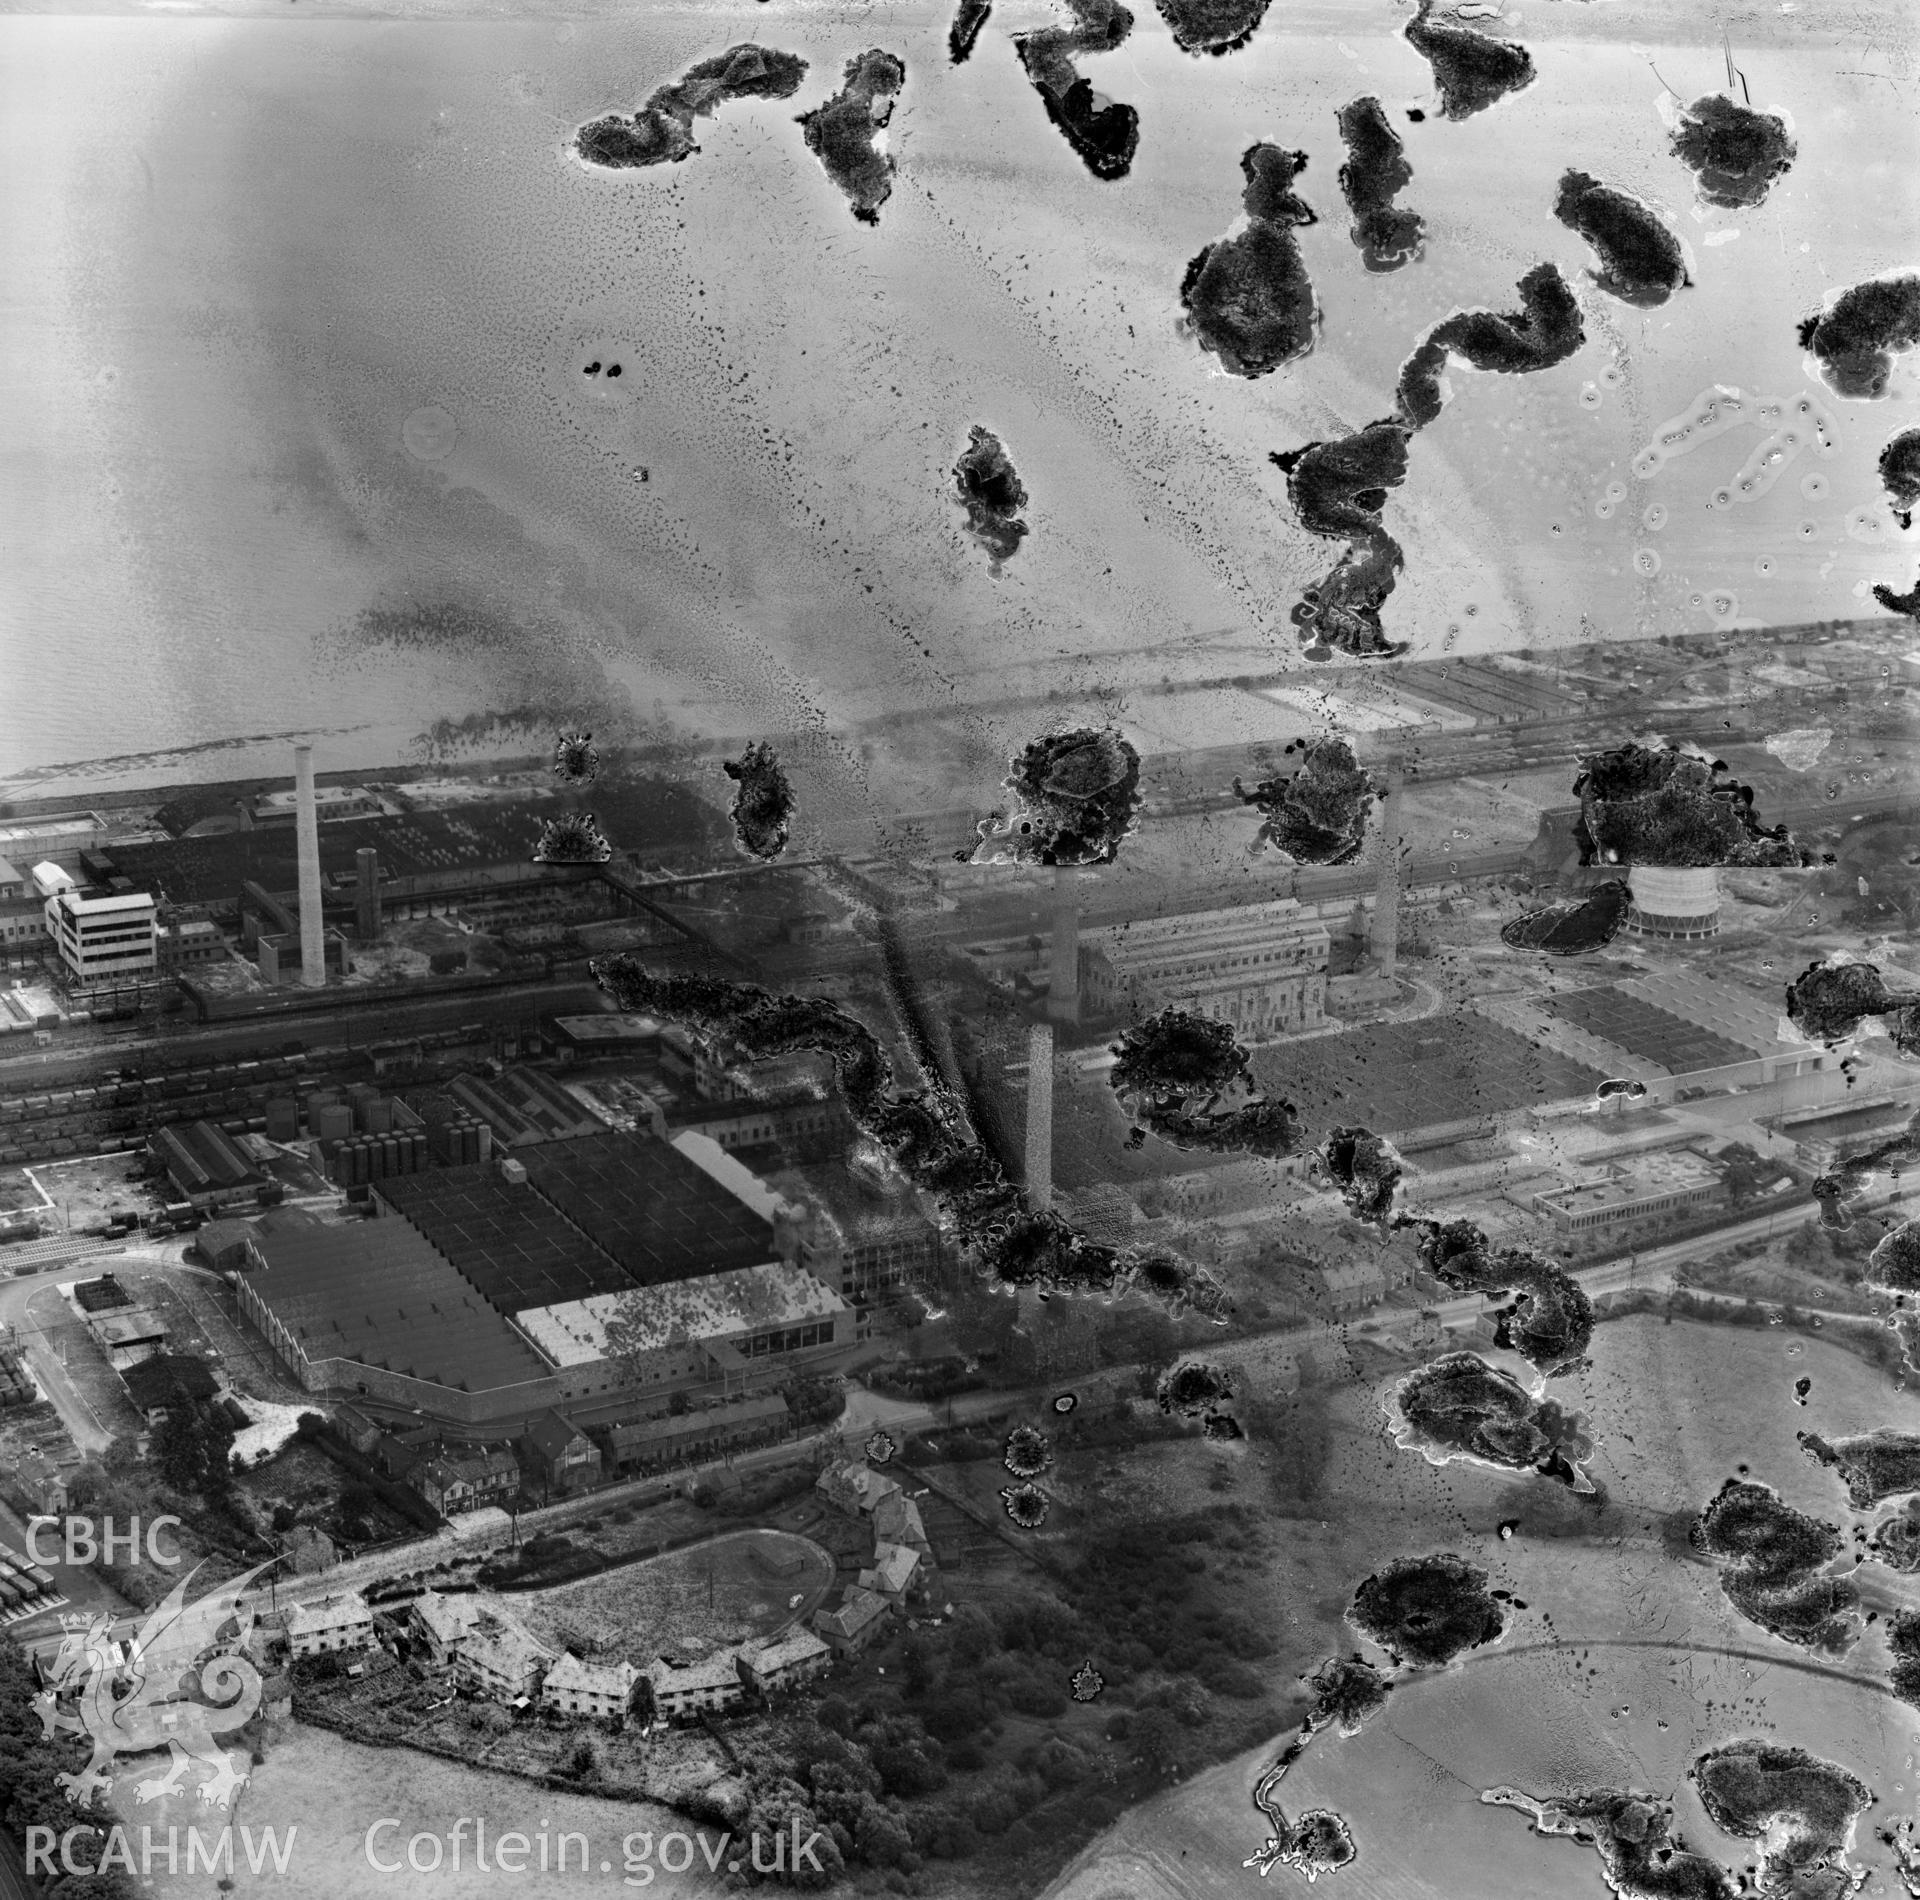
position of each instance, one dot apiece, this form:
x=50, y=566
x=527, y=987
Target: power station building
x=1260, y=967
x=1676, y=906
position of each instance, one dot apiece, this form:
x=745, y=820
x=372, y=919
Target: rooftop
x=512, y=1244
x=1397, y=1077
x=736, y=1177
x=796, y=1646
x=721, y=1670
x=651, y=1431
x=572, y=1675
x=660, y=1215
x=1642, y=1178
x=1620, y=1014
x=378, y=1294
x=713, y=1307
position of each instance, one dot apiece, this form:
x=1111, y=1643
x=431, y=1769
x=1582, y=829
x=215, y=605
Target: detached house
x=785, y=1661
x=467, y=1479
x=438, y=1622
x=603, y=1691
x=334, y=1623
x=861, y=1617
x=896, y=1520
x=501, y=1657
x=894, y=1571
x=855, y=1488
x=556, y=1455
x=683, y=1689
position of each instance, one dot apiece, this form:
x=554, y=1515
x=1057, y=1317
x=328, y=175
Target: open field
x=725, y=1591
x=330, y=1792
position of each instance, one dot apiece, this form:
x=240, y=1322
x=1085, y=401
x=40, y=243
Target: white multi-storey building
x=98, y=939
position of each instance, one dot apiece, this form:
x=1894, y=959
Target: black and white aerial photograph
x=963, y=949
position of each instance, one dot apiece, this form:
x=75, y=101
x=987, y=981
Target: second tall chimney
x=1040, y=1118
x=313, y=941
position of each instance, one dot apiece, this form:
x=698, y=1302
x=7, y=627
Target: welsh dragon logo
x=133, y=1700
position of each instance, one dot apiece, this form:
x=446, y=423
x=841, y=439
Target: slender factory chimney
x=1063, y=977
x=367, y=893
x=313, y=942
x=1040, y=1117
x=1385, y=940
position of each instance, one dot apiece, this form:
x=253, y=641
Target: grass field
x=331, y=1792
x=725, y=1591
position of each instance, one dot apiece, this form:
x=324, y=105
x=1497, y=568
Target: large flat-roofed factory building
x=599, y=1276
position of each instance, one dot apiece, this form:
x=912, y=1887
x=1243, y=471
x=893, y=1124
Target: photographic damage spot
x=1798, y=1809
x=1849, y=1179
x=1907, y=604
x=1367, y=1170
x=576, y=762
x=1027, y=1452
x=1773, y=1560
x=1900, y=474
x=1247, y=297
x=1894, y=1265
x=1671, y=806
x=1217, y=27
x=1459, y=1407
x=969, y=17
x=1376, y=172
x=1103, y=132
x=1641, y=1855
x=1188, y=1079
x=1078, y=792
x=1065, y=1402
x=1550, y=1322
x=1855, y=338
x=1471, y=70
x=925, y=1135
x=1875, y=1465
x=1338, y=490
x=661, y=131
x=1544, y=331
x=1574, y=927
x=572, y=837
x=1320, y=1842
x=763, y=805
x=1193, y=1387
x=1734, y=151
x=1027, y=1505
x=992, y=495
x=1424, y=1611
x=880, y=1447
x=844, y=133
x=1317, y=815
x=1086, y=1682
x=1641, y=262
x=1903, y=1643
x=1830, y=1000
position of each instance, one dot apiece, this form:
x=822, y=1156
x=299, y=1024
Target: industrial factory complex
x=518, y=1211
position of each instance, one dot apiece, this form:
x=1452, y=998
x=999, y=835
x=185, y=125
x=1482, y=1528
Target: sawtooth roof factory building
x=596, y=1277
